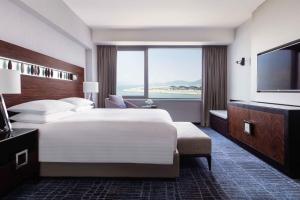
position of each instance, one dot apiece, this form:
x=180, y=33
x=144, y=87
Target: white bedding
x=108, y=136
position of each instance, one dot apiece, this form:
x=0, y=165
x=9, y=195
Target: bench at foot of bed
x=191, y=141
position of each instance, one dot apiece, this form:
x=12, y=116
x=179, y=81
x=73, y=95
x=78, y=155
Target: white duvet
x=108, y=136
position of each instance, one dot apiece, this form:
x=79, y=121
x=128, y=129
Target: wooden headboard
x=37, y=88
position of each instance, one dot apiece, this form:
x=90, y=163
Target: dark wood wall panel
x=36, y=88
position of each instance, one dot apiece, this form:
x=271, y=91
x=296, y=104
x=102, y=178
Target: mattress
x=108, y=136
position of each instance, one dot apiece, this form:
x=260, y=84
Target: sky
x=165, y=65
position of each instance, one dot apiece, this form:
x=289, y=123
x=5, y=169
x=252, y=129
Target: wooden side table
x=149, y=106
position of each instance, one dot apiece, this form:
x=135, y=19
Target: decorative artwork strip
x=31, y=69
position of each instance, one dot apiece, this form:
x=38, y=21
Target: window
x=173, y=73
x=130, y=73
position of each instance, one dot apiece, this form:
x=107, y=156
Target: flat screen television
x=278, y=70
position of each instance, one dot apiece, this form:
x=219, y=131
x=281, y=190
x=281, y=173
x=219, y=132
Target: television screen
x=279, y=69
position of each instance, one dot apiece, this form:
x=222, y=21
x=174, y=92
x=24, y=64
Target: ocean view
x=182, y=92
x=172, y=73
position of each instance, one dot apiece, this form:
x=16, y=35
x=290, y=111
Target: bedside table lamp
x=90, y=88
x=10, y=83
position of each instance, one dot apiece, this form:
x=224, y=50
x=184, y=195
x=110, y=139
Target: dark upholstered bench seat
x=218, y=121
x=192, y=141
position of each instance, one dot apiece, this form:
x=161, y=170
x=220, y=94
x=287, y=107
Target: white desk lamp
x=10, y=83
x=90, y=88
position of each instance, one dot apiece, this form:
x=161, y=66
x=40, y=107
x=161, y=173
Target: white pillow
x=40, y=119
x=83, y=108
x=42, y=107
x=78, y=101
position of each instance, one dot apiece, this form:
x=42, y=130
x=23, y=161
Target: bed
x=68, y=149
x=109, y=142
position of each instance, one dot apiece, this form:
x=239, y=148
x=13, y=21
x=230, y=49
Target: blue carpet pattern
x=236, y=174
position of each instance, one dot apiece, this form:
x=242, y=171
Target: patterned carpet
x=236, y=174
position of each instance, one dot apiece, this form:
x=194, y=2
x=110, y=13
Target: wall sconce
x=241, y=62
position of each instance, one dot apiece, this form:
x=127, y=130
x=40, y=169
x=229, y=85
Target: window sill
x=161, y=99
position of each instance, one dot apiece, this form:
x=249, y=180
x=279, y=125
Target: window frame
x=146, y=67
x=145, y=50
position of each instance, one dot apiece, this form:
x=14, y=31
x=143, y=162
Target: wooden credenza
x=274, y=133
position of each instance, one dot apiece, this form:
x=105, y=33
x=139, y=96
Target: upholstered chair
x=115, y=101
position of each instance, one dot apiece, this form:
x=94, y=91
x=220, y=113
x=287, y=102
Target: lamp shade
x=10, y=82
x=90, y=87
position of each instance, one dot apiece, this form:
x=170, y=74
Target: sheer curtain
x=107, y=69
x=214, y=80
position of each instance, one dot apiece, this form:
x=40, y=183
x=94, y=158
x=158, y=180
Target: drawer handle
x=248, y=127
x=21, y=158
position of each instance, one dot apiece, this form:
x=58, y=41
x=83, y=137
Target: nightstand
x=18, y=158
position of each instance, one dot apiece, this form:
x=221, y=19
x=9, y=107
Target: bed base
x=50, y=169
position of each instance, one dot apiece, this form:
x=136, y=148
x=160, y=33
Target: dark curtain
x=214, y=80
x=107, y=69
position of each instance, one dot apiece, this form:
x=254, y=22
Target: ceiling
x=163, y=13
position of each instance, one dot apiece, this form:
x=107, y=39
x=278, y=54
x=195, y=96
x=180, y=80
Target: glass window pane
x=175, y=73
x=130, y=73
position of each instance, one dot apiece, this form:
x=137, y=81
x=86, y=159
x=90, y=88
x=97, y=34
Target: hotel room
x=161, y=99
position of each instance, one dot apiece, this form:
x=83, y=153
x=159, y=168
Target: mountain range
x=176, y=83
x=179, y=83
